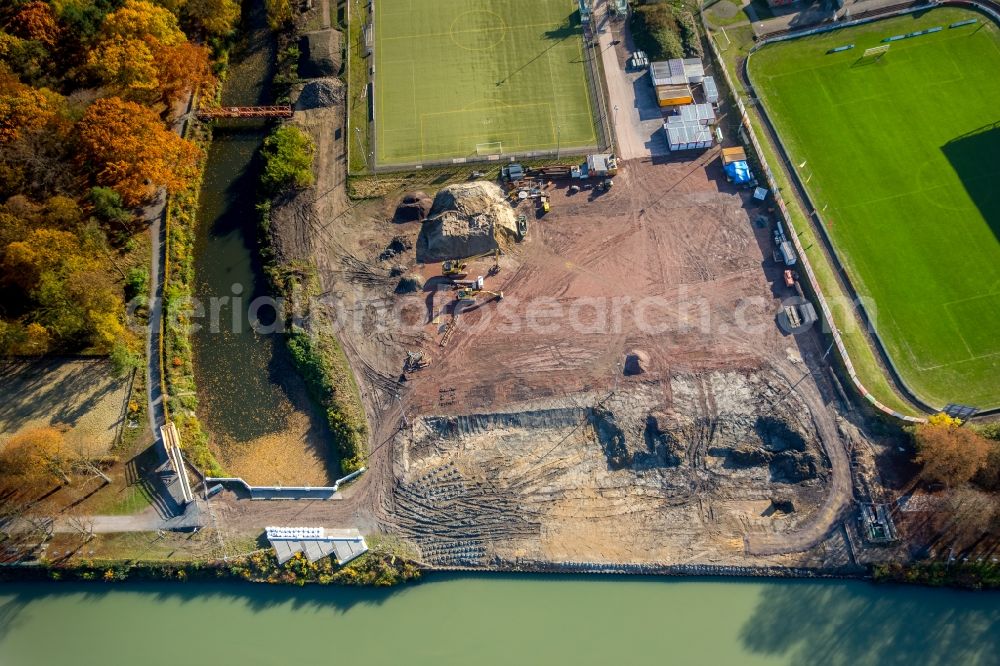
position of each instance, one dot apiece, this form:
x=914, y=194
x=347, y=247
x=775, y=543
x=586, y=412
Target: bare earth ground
x=523, y=442
x=80, y=396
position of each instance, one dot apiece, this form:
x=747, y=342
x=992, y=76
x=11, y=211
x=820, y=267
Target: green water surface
x=500, y=620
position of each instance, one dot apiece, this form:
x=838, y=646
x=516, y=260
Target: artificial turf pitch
x=902, y=158
x=454, y=74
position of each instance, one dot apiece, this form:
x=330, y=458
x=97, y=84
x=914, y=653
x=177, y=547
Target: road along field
x=899, y=157
x=461, y=78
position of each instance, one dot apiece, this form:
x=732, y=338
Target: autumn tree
x=216, y=17
x=26, y=260
x=127, y=65
x=138, y=19
x=37, y=454
x=76, y=301
x=279, y=13
x=143, y=55
x=949, y=453
x=132, y=152
x=35, y=21
x=181, y=68
x=33, y=145
x=22, y=111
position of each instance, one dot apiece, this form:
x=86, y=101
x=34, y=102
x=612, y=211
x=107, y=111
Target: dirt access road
x=637, y=116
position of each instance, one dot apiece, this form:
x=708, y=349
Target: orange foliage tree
x=180, y=68
x=35, y=21
x=132, y=152
x=949, y=453
x=37, y=454
x=143, y=53
x=23, y=110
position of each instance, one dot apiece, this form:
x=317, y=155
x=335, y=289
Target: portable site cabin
x=674, y=95
x=687, y=134
x=668, y=73
x=710, y=89
x=694, y=70
x=700, y=113
x=677, y=72
x=601, y=165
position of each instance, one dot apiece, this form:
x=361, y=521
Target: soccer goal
x=876, y=51
x=491, y=148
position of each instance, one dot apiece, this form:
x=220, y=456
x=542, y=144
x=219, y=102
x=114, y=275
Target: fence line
x=595, y=91
x=748, y=130
x=654, y=569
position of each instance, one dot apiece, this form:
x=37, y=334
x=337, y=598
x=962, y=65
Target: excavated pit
x=607, y=478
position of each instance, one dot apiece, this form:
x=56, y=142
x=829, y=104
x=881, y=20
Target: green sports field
x=902, y=158
x=454, y=74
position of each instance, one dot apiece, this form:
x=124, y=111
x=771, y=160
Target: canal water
x=500, y=620
x=250, y=398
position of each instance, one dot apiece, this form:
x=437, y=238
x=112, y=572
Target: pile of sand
x=466, y=220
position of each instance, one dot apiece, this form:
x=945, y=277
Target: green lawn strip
x=912, y=239
x=453, y=74
x=357, y=84
x=867, y=367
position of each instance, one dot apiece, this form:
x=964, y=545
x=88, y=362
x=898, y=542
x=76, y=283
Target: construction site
x=575, y=363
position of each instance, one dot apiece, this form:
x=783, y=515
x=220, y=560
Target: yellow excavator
x=456, y=268
x=471, y=291
x=470, y=294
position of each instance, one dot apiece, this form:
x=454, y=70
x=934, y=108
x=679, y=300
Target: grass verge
x=357, y=88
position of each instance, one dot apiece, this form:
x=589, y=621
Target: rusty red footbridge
x=278, y=111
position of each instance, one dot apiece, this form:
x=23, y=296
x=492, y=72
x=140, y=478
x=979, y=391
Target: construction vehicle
x=470, y=291
x=469, y=294
x=544, y=201
x=554, y=171
x=456, y=268
x=730, y=155
x=415, y=361
x=605, y=185
x=522, y=230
